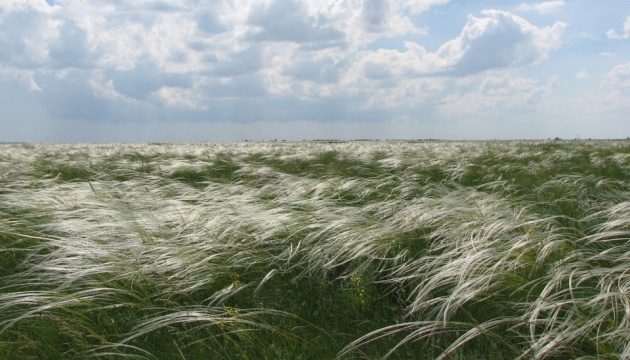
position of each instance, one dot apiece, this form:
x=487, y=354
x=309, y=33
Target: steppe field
x=316, y=250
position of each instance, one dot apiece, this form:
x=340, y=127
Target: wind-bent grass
x=316, y=250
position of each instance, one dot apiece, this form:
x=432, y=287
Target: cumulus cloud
x=247, y=60
x=613, y=34
x=238, y=62
x=26, y=34
x=618, y=78
x=21, y=78
x=498, y=93
x=616, y=88
x=320, y=70
x=70, y=47
x=375, y=14
x=208, y=22
x=145, y=78
x=68, y=95
x=240, y=86
x=413, y=61
x=498, y=40
x=289, y=21
x=546, y=7
x=28, y=6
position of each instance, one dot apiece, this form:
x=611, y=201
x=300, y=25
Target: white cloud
x=618, y=78
x=387, y=63
x=417, y=6
x=546, y=7
x=178, y=97
x=612, y=33
x=581, y=75
x=238, y=62
x=321, y=68
x=188, y=59
x=282, y=60
x=616, y=85
x=500, y=93
x=20, y=77
x=288, y=21
x=387, y=18
x=251, y=85
x=27, y=6
x=26, y=36
x=499, y=40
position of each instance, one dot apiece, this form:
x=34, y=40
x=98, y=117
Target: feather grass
x=517, y=248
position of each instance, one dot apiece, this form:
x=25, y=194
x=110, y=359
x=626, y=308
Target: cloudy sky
x=195, y=70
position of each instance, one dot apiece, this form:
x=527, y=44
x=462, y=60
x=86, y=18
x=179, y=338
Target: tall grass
x=315, y=250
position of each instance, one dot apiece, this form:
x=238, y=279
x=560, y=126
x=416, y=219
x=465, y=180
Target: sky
x=228, y=70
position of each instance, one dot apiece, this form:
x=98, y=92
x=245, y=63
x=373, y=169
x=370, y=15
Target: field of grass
x=315, y=250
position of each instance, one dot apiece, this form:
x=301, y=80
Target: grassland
x=313, y=250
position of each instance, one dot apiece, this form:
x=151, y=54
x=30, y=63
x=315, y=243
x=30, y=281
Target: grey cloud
x=208, y=22
x=70, y=49
x=375, y=71
x=316, y=46
x=145, y=14
x=374, y=14
x=242, y=62
x=19, y=111
x=289, y=21
x=21, y=38
x=161, y=6
x=144, y=79
x=248, y=85
x=210, y=58
x=72, y=98
x=206, y=51
x=9, y=48
x=179, y=56
x=287, y=109
x=325, y=110
x=320, y=71
x=198, y=46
